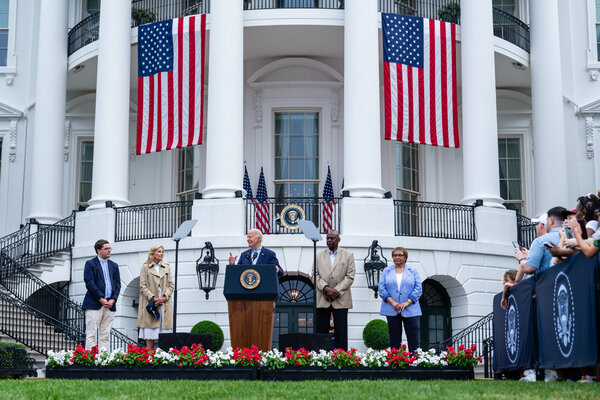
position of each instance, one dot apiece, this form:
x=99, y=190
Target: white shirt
x=399, y=279
x=593, y=225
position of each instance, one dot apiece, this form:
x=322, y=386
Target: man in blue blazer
x=103, y=283
x=256, y=254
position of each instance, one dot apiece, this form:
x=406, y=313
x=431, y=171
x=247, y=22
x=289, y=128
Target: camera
x=568, y=233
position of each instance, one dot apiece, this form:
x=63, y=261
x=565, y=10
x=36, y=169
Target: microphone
x=248, y=257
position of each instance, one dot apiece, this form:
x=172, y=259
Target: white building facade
x=296, y=88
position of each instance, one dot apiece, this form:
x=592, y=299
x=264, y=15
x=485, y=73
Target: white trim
x=593, y=64
x=335, y=76
x=10, y=69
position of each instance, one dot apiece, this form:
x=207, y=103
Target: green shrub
x=376, y=335
x=450, y=12
x=17, y=345
x=212, y=329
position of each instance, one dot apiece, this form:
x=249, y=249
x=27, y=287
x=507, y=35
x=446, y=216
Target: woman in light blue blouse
x=400, y=289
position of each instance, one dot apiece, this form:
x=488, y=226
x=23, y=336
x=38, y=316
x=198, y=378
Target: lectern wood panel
x=251, y=322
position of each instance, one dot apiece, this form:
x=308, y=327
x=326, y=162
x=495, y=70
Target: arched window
x=435, y=322
x=294, y=308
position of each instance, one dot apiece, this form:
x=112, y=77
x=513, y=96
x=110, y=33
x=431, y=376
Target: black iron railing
x=150, y=221
x=272, y=4
x=84, y=33
x=435, y=220
x=525, y=231
x=14, y=237
x=48, y=240
x=15, y=362
x=34, y=329
x=434, y=9
x=477, y=334
x=312, y=207
x=511, y=29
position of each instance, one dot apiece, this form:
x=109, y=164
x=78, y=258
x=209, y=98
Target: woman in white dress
x=156, y=284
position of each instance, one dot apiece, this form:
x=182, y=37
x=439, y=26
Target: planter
x=158, y=372
x=335, y=374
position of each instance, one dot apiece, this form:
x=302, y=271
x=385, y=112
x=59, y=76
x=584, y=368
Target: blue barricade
x=566, y=319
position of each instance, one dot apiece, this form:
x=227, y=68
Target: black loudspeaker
x=167, y=341
x=387, y=195
x=238, y=193
x=345, y=193
x=109, y=204
x=197, y=196
x=478, y=203
x=309, y=341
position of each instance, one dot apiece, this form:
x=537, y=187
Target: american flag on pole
x=170, y=84
x=419, y=72
x=328, y=203
x=262, y=205
x=247, y=186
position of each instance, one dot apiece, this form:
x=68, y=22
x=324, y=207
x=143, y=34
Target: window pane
x=597, y=10
x=282, y=145
x=297, y=169
x=297, y=123
x=512, y=148
x=296, y=146
x=86, y=170
x=4, y=19
x=310, y=123
x=514, y=190
x=514, y=168
x=311, y=146
x=3, y=39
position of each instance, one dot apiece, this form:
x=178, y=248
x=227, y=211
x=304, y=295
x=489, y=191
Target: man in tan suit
x=335, y=274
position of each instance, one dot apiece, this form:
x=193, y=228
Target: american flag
x=170, y=84
x=328, y=203
x=419, y=72
x=262, y=205
x=247, y=186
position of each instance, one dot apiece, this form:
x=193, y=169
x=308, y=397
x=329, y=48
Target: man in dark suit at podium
x=256, y=254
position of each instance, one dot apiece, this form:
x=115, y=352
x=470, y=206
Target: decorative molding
x=258, y=109
x=589, y=137
x=9, y=79
x=12, y=140
x=67, y=141
x=593, y=74
x=335, y=109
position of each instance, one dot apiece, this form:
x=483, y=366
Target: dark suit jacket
x=95, y=285
x=266, y=256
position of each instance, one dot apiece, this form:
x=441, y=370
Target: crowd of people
x=560, y=233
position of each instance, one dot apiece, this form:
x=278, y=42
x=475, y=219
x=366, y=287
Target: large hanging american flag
x=328, y=203
x=419, y=73
x=170, y=84
x=262, y=205
x=247, y=186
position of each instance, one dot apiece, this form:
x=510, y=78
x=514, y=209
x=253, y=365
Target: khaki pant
x=98, y=320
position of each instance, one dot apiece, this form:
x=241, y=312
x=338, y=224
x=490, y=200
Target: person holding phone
x=539, y=258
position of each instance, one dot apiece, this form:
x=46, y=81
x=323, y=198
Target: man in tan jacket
x=335, y=274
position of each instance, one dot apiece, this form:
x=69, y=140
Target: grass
x=212, y=390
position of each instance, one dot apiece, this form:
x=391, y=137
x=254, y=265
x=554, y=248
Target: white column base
x=374, y=192
x=222, y=217
x=365, y=217
x=495, y=225
x=488, y=201
x=95, y=204
x=91, y=225
x=223, y=192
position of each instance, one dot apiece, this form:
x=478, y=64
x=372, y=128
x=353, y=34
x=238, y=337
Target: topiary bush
x=212, y=329
x=376, y=335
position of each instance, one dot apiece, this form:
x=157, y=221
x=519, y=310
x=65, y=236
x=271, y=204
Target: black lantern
x=374, y=266
x=207, y=269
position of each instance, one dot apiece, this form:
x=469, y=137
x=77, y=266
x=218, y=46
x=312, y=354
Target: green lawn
x=374, y=390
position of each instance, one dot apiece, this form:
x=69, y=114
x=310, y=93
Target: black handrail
x=435, y=220
x=420, y=8
x=150, y=221
x=312, y=207
x=15, y=236
x=273, y=4
x=34, y=329
x=477, y=333
x=510, y=28
x=525, y=230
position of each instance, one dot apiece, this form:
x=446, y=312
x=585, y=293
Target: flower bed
x=244, y=363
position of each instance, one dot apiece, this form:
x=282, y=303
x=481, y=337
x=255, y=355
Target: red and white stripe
x=327, y=215
x=171, y=104
x=262, y=216
x=421, y=103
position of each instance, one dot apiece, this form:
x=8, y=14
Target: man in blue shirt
x=538, y=259
x=103, y=284
x=256, y=254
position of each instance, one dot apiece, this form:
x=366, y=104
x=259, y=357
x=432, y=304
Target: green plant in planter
x=141, y=15
x=212, y=329
x=376, y=335
x=450, y=12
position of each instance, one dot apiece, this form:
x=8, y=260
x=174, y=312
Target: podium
x=251, y=291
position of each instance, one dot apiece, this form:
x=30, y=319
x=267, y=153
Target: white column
x=110, y=177
x=362, y=133
x=480, y=125
x=550, y=165
x=225, y=129
x=47, y=148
